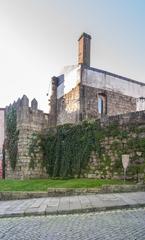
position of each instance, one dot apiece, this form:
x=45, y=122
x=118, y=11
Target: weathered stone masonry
x=115, y=103
x=107, y=165
x=30, y=120
x=82, y=92
x=2, y=111
x=131, y=142
x=68, y=107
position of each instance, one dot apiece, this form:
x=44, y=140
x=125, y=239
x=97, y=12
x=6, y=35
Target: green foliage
x=33, y=149
x=113, y=130
x=67, y=149
x=37, y=185
x=105, y=164
x=12, y=136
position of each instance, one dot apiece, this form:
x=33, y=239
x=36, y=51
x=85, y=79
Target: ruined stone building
x=83, y=92
x=79, y=93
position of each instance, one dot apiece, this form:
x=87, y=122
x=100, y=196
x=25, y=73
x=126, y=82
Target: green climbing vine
x=67, y=149
x=12, y=136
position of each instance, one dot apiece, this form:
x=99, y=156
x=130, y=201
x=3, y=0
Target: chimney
x=84, y=49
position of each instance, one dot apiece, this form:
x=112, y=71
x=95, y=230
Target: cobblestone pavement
x=113, y=225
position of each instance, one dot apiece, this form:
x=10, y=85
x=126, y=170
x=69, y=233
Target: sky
x=39, y=37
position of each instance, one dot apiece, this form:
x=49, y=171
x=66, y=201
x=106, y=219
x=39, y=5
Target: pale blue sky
x=39, y=37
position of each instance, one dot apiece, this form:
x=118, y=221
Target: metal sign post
x=125, y=162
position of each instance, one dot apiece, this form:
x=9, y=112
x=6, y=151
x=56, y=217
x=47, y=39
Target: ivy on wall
x=67, y=149
x=12, y=136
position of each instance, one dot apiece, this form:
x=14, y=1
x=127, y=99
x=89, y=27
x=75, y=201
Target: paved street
x=71, y=204
x=113, y=225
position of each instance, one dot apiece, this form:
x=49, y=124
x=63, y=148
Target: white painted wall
x=71, y=80
x=72, y=75
x=103, y=81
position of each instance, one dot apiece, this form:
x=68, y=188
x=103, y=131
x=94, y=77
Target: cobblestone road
x=114, y=225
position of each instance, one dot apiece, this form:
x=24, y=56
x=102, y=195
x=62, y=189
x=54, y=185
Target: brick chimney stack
x=84, y=49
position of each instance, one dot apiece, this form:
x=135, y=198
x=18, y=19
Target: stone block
x=139, y=153
x=92, y=175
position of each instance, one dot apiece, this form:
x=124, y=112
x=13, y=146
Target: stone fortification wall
x=30, y=120
x=127, y=136
x=1, y=138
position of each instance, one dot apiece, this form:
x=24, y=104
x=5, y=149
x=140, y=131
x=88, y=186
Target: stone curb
x=60, y=192
x=4, y=196
x=72, y=211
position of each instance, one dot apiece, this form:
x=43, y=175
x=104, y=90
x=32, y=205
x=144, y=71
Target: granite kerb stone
x=54, y=192
x=4, y=196
x=60, y=192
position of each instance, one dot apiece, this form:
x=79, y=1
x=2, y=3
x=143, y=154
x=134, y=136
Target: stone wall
x=122, y=94
x=100, y=79
x=128, y=137
x=29, y=120
x=116, y=103
x=65, y=96
x=75, y=94
x=71, y=78
x=68, y=107
x=1, y=138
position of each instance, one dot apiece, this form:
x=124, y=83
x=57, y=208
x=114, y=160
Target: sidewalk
x=71, y=204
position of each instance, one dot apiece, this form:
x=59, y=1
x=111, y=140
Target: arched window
x=102, y=104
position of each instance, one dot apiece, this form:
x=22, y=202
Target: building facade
x=1, y=138
x=82, y=92
x=79, y=93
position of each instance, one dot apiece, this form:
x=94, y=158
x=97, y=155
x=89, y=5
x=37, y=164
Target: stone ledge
x=56, y=192
x=21, y=195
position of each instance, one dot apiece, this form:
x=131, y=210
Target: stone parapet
x=30, y=120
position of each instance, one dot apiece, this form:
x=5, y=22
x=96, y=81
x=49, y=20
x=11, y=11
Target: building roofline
x=115, y=75
x=2, y=109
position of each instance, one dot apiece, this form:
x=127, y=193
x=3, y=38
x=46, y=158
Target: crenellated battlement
x=30, y=120
x=29, y=115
